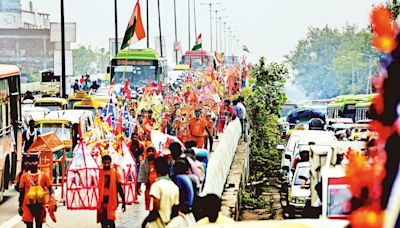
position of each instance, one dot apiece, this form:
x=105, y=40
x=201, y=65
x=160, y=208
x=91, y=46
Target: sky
x=269, y=28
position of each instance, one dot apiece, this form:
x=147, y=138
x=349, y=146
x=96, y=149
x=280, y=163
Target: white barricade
x=221, y=160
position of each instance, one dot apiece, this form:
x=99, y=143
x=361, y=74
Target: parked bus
x=362, y=108
x=344, y=106
x=199, y=59
x=10, y=132
x=139, y=66
x=50, y=83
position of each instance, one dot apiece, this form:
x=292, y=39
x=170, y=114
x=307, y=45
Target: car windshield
x=63, y=133
x=302, y=173
x=339, y=197
x=52, y=106
x=88, y=108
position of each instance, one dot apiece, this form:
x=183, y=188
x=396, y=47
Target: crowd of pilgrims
x=172, y=179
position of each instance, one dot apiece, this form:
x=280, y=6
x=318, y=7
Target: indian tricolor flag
x=135, y=30
x=198, y=44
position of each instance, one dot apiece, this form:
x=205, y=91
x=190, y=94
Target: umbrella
x=304, y=114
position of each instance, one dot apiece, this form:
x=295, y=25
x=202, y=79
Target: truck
x=50, y=83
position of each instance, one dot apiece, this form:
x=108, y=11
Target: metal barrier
x=221, y=159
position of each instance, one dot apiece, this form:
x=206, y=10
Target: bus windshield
x=62, y=132
x=196, y=61
x=138, y=75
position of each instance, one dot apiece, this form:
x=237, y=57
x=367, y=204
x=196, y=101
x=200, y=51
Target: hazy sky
x=269, y=28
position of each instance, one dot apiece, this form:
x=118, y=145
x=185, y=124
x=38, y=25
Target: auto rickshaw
x=65, y=125
x=52, y=103
x=79, y=95
x=91, y=104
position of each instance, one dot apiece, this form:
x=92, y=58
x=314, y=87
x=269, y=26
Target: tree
x=395, y=7
x=90, y=61
x=264, y=103
x=327, y=61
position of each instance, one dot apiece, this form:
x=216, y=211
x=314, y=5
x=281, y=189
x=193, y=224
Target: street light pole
x=147, y=23
x=159, y=28
x=63, y=85
x=216, y=28
x=189, y=23
x=176, y=34
x=210, y=4
x=116, y=26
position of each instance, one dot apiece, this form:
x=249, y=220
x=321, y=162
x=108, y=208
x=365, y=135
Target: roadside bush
x=264, y=100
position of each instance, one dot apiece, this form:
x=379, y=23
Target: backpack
x=36, y=193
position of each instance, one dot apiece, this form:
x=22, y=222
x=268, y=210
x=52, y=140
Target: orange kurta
x=38, y=178
x=107, y=210
x=198, y=130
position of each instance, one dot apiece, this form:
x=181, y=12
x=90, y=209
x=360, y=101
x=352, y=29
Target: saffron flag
x=126, y=91
x=135, y=30
x=198, y=44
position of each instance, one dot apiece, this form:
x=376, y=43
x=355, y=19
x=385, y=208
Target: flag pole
x=195, y=20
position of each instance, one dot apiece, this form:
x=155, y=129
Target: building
x=25, y=37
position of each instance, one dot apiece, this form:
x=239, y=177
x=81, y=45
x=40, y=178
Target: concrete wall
x=236, y=181
x=221, y=159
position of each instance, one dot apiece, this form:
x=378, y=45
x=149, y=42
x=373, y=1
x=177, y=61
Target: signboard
x=112, y=46
x=134, y=63
x=177, y=46
x=69, y=67
x=69, y=28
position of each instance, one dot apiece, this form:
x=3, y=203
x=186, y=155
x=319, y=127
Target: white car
x=299, y=191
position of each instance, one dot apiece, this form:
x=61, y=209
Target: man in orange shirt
x=138, y=128
x=32, y=206
x=197, y=127
x=148, y=123
x=109, y=185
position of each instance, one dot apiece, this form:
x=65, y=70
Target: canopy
x=304, y=114
x=48, y=142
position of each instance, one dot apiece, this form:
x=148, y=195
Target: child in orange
x=32, y=207
x=147, y=174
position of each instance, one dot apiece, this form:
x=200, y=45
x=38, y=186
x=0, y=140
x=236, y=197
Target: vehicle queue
x=314, y=155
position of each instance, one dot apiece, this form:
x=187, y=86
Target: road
x=9, y=217
x=132, y=217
